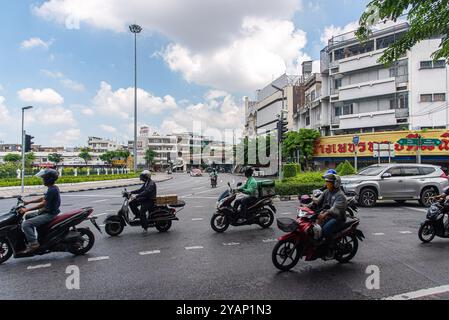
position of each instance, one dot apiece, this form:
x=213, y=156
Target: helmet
x=305, y=199
x=331, y=171
x=145, y=175
x=49, y=176
x=334, y=179
x=249, y=172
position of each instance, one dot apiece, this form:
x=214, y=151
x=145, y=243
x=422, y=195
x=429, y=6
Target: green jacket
x=250, y=187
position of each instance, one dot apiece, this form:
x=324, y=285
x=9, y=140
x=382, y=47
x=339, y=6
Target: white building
x=102, y=145
x=362, y=95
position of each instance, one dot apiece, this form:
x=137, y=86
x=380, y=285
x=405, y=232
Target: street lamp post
x=23, y=146
x=135, y=29
x=281, y=118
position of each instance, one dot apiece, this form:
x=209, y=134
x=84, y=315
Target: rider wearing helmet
x=46, y=210
x=330, y=171
x=442, y=196
x=145, y=198
x=334, y=199
x=250, y=190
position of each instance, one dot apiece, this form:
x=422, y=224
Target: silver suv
x=399, y=182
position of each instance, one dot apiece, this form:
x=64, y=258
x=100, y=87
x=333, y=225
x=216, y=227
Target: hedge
x=32, y=181
x=307, y=177
x=345, y=169
x=294, y=188
x=290, y=170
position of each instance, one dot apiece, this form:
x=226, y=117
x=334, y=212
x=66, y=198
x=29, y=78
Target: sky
x=73, y=61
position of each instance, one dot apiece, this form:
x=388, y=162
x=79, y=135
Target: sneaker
x=30, y=248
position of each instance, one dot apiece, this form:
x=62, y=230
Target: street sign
x=356, y=140
x=424, y=142
x=408, y=142
x=383, y=147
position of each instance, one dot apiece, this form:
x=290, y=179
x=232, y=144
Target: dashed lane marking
x=197, y=219
x=102, y=225
x=286, y=213
x=378, y=234
x=405, y=232
x=198, y=206
x=101, y=214
x=419, y=293
x=231, y=244
x=39, y=266
x=97, y=201
x=98, y=258
x=194, y=248
x=145, y=253
x=269, y=240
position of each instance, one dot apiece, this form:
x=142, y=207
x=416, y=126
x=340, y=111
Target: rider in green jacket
x=250, y=190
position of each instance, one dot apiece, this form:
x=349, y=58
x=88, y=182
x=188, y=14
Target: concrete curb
x=80, y=190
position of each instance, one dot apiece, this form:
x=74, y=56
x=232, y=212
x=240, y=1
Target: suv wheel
x=426, y=194
x=368, y=198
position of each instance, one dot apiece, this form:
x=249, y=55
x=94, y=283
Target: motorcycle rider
x=335, y=200
x=250, y=190
x=46, y=210
x=330, y=171
x=442, y=196
x=214, y=174
x=145, y=198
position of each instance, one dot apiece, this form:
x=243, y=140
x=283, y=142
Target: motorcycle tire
x=355, y=246
x=163, y=226
x=5, y=250
x=224, y=225
x=114, y=229
x=428, y=237
x=267, y=223
x=79, y=251
x=281, y=250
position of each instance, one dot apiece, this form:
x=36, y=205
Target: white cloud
x=45, y=96
x=332, y=31
x=107, y=128
x=66, y=137
x=56, y=116
x=87, y=111
x=68, y=83
x=121, y=102
x=5, y=117
x=232, y=45
x=35, y=43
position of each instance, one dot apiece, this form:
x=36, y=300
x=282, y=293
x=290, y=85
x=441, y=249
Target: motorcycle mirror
x=229, y=184
x=239, y=184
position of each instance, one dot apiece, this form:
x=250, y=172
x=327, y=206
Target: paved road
x=193, y=262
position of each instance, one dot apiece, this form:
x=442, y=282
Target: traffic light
x=282, y=128
x=28, y=142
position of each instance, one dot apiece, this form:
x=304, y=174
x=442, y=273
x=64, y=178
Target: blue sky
x=73, y=61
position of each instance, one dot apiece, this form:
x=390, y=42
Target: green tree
x=29, y=159
x=85, y=154
x=12, y=157
x=107, y=157
x=346, y=169
x=303, y=141
x=56, y=158
x=427, y=18
x=150, y=154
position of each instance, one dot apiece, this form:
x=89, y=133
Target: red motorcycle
x=303, y=239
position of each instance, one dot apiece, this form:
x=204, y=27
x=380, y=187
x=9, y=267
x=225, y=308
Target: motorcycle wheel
x=283, y=252
x=349, y=245
x=426, y=232
x=163, y=226
x=5, y=250
x=88, y=240
x=219, y=223
x=114, y=229
x=266, y=219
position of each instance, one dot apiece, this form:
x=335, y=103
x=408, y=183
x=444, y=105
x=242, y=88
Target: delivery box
x=166, y=199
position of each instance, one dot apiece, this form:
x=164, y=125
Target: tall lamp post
x=23, y=145
x=281, y=118
x=134, y=28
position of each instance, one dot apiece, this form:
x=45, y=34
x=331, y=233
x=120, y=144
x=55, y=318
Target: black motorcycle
x=435, y=224
x=59, y=235
x=261, y=212
x=160, y=217
x=213, y=181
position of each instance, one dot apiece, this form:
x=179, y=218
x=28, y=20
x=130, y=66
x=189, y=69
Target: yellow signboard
x=343, y=146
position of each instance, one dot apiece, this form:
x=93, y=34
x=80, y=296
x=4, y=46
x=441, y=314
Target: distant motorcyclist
x=213, y=177
x=145, y=198
x=335, y=200
x=250, y=191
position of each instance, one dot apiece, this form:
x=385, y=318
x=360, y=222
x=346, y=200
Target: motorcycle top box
x=266, y=188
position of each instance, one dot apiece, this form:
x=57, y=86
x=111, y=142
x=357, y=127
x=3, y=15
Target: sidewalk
x=13, y=192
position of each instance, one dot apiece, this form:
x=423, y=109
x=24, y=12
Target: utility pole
x=418, y=153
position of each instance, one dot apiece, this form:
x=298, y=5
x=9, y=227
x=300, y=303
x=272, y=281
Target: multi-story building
x=363, y=95
x=101, y=145
x=10, y=147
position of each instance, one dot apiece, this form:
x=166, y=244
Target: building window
x=439, y=97
x=338, y=111
x=439, y=64
x=426, y=98
x=385, y=42
x=307, y=120
x=347, y=109
x=426, y=65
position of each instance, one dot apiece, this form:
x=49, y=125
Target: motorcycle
x=213, y=181
x=261, y=212
x=435, y=226
x=160, y=217
x=59, y=235
x=303, y=239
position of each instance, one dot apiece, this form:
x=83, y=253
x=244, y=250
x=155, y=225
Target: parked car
x=399, y=182
x=196, y=173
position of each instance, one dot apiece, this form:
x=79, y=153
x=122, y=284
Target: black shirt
x=53, y=200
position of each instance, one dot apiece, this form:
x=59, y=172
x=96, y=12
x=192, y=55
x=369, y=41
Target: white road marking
x=39, y=266
x=416, y=209
x=144, y=253
x=100, y=214
x=185, y=196
x=88, y=196
x=98, y=258
x=111, y=210
x=286, y=213
x=197, y=219
x=405, y=232
x=102, y=225
x=199, y=207
x=419, y=293
x=231, y=244
x=269, y=240
x=194, y=248
x=97, y=201
x=378, y=234
x=199, y=188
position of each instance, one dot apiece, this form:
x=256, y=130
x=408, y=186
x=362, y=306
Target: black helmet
x=49, y=176
x=334, y=179
x=249, y=172
x=145, y=175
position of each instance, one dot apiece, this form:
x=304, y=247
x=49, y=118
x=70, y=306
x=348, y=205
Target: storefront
x=330, y=151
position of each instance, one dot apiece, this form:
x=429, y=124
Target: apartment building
x=360, y=95
x=101, y=145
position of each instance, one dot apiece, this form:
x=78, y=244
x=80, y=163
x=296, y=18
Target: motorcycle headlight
x=301, y=213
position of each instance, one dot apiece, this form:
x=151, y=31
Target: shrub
x=346, y=169
x=291, y=170
x=294, y=188
x=307, y=177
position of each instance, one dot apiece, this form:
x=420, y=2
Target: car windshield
x=371, y=171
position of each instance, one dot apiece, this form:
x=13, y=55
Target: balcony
x=368, y=89
x=402, y=113
x=366, y=120
x=362, y=61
